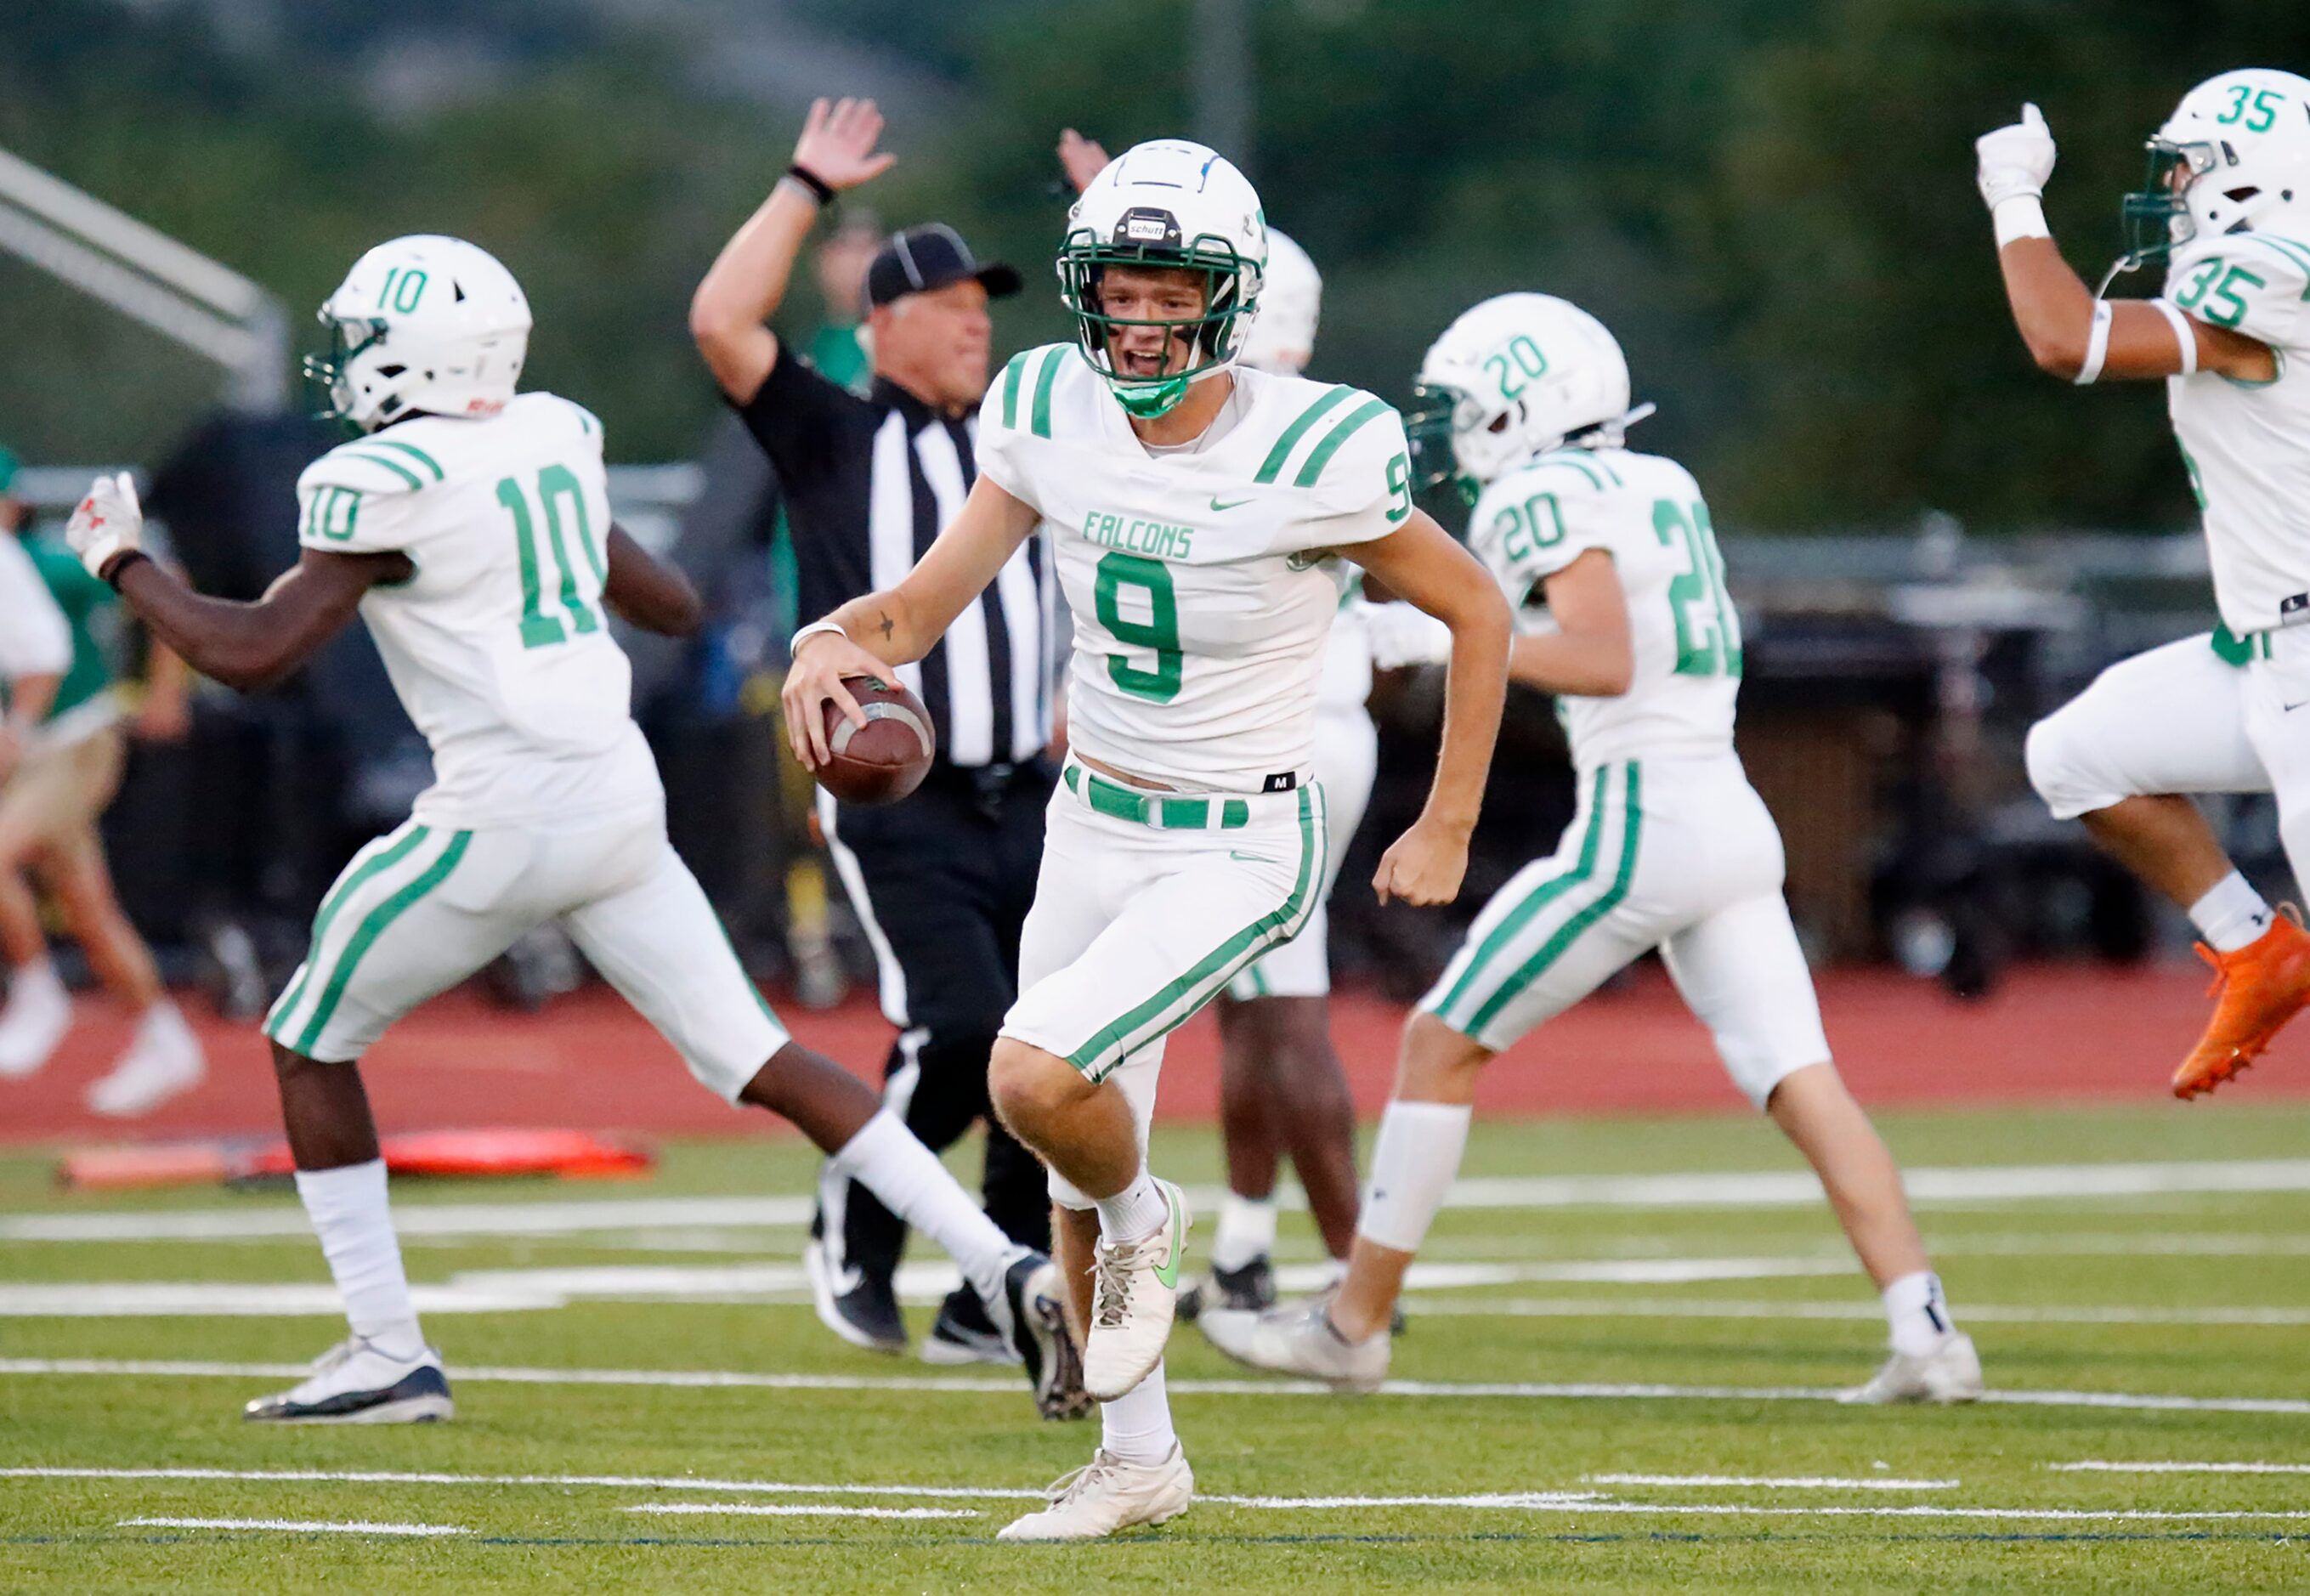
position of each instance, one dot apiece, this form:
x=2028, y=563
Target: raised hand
x=1083, y=158
x=837, y=140
x=2015, y=160
x=106, y=523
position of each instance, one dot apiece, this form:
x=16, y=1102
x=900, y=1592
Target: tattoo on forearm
x=886, y=627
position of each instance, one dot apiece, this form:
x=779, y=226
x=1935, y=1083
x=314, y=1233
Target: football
x=886, y=759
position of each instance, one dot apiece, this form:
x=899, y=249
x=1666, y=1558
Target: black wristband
x=811, y=180
x=119, y=567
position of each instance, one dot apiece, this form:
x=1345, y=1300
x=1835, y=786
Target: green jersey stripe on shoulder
x=586, y=417
x=395, y=466
x=1273, y=466
x=1044, y=379
x=1320, y=454
x=413, y=452
x=1011, y=374
x=2298, y=254
x=1591, y=468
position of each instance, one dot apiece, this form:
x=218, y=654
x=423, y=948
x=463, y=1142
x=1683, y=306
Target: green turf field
x=1614, y=1384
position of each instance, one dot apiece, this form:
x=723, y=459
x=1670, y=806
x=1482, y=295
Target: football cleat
x=963, y=1333
x=355, y=1383
x=1249, y=1289
x=1298, y=1338
x=164, y=1061
x=1134, y=1295
x=861, y=1308
x=1032, y=1325
x=37, y=1014
x=1107, y=1495
x=1950, y=1373
x=2258, y=988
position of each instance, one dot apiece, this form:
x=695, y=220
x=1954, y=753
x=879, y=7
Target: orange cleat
x=2258, y=988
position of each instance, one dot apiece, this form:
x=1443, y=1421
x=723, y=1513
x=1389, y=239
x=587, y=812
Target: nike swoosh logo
x=1246, y=858
x=1169, y=1272
x=2290, y=708
x=1229, y=505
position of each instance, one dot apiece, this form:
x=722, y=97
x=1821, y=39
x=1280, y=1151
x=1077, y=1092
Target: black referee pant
x=946, y=877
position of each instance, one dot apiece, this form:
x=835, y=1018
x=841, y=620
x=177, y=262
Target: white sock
x=2231, y=915
x=347, y=1206
x=1135, y=1212
x=1918, y=1314
x=36, y=982
x=1413, y=1160
x=1247, y=1230
x=887, y=1160
x=1137, y=1426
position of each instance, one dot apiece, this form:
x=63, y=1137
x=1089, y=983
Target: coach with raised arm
x=943, y=880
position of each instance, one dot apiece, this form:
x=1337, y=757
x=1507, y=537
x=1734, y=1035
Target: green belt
x=2235, y=650
x=1171, y=814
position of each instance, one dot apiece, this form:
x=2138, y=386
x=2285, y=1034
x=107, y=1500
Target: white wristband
x=2019, y=216
x=815, y=628
x=2097, y=345
x=2184, y=334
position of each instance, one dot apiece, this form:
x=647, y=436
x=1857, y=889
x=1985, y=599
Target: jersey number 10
x=540, y=627
x=1708, y=630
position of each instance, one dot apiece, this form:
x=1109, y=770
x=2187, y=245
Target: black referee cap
x=923, y=258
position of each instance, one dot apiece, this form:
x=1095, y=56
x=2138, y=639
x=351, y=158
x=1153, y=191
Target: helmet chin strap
x=1614, y=432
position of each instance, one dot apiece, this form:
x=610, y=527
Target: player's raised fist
x=837, y=142
x=1083, y=158
x=2016, y=159
x=106, y=523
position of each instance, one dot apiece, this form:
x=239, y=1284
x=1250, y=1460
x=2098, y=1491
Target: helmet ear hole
x=2239, y=195
x=391, y=370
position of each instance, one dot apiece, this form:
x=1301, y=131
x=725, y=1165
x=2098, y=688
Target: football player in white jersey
x=1196, y=508
x=1608, y=556
x=1282, y=1088
x=2226, y=213
x=469, y=526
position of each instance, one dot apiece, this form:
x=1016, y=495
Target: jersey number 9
x=1158, y=632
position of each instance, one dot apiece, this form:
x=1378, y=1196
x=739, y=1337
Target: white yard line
x=1959, y=1184
x=623, y=1482
x=1616, y=1307
x=2105, y=1466
x=733, y=1379
x=1786, y=1482
x=294, y=1526
x=800, y=1510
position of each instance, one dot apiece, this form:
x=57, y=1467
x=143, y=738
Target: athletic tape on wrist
x=2184, y=334
x=2097, y=345
x=815, y=628
x=2019, y=216
x=820, y=188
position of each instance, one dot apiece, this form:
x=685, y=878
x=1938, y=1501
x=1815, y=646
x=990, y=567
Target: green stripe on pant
x=378, y=920
x=391, y=851
x=1632, y=827
x=1546, y=892
x=1215, y=968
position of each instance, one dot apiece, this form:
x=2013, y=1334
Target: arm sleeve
x=356, y=499
x=1362, y=472
x=2252, y=283
x=34, y=638
x=796, y=415
x=1530, y=525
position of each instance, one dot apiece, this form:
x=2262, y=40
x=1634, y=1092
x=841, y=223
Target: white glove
x=1403, y=634
x=2016, y=159
x=106, y=523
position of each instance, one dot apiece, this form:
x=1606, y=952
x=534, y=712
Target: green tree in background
x=1770, y=201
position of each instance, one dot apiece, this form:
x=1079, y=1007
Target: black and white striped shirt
x=868, y=483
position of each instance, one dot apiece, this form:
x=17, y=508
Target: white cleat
x=1107, y=1495
x=37, y=1014
x=354, y=1382
x=1134, y=1295
x=1297, y=1338
x=164, y=1061
x=1950, y=1373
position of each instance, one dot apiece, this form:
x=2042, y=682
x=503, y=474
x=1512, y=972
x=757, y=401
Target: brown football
x=886, y=759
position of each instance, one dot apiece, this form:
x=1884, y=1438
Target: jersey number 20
x=1708, y=630
x=556, y=485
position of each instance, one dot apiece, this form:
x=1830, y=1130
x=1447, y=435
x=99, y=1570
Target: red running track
x=589, y=1062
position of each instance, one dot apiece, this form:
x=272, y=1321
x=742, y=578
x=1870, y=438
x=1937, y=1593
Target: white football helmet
x=2233, y=157
x=1512, y=377
x=426, y=324
x=1283, y=336
x=1167, y=202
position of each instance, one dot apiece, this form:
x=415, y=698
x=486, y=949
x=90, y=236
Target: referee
x=942, y=881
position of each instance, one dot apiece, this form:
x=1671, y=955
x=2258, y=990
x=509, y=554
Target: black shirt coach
x=943, y=880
